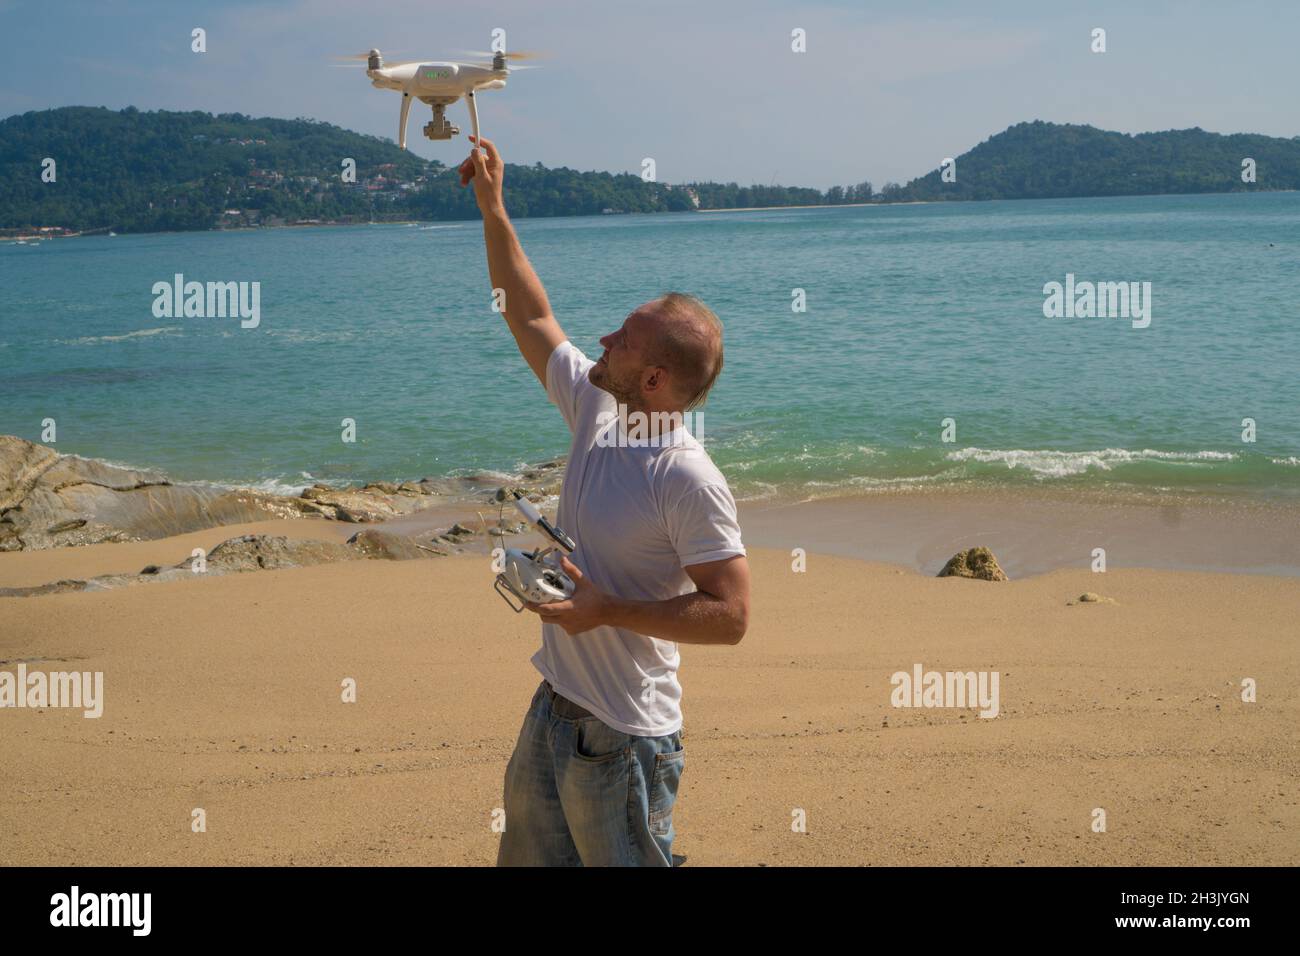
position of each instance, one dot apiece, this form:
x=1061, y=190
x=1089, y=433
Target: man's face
x=620, y=368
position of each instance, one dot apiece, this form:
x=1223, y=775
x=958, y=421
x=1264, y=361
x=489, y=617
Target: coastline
x=822, y=205
x=1031, y=534
x=57, y=506
x=424, y=222
x=29, y=239
x=102, y=233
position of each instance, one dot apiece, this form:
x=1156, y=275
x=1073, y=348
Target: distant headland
x=88, y=170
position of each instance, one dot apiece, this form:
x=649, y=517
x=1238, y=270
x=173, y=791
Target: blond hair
x=690, y=346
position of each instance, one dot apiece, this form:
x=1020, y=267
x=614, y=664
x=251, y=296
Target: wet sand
x=1033, y=532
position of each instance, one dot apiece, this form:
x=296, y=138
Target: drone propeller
x=516, y=55
x=389, y=65
x=363, y=56
x=396, y=63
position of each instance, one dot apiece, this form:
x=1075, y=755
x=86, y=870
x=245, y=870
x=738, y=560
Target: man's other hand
x=588, y=608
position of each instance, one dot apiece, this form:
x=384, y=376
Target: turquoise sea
x=914, y=314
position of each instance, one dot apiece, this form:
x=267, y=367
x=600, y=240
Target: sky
x=710, y=89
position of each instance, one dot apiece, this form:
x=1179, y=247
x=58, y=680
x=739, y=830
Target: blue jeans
x=580, y=793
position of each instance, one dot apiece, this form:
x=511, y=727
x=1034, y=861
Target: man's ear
x=655, y=379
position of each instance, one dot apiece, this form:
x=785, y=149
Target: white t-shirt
x=639, y=515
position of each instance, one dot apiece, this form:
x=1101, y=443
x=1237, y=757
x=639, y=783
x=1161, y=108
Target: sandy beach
x=224, y=694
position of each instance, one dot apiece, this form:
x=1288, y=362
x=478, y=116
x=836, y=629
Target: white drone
x=439, y=83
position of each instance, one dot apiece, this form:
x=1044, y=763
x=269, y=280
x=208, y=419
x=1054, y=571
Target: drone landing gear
x=473, y=114
x=438, y=127
x=401, y=123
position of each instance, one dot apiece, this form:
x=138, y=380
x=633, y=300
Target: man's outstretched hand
x=523, y=301
x=486, y=171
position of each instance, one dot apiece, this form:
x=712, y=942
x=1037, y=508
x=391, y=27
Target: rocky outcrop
x=258, y=552
x=976, y=563
x=250, y=552
x=1090, y=597
x=48, y=500
x=373, y=543
x=370, y=503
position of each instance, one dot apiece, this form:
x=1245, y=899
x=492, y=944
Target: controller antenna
x=535, y=517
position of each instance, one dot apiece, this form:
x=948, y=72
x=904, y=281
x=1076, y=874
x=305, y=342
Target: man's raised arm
x=527, y=311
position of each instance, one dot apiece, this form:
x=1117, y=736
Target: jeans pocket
x=663, y=790
x=594, y=741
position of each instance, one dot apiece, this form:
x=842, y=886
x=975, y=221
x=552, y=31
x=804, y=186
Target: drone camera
x=438, y=127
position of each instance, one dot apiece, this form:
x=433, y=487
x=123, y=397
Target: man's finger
x=490, y=146
x=570, y=568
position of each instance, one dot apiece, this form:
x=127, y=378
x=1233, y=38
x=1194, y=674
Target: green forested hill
x=133, y=171
x=142, y=172
x=139, y=172
x=1045, y=160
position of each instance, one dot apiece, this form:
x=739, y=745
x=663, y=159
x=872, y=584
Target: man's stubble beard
x=624, y=392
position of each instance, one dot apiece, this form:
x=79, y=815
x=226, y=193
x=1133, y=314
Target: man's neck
x=650, y=423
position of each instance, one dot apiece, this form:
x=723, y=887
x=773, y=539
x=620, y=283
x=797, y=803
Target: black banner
x=300, y=904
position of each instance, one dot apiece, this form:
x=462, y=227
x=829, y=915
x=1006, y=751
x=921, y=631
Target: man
x=659, y=561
